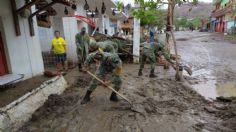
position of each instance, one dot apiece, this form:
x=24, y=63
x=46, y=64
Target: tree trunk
x=169, y=35
x=169, y=24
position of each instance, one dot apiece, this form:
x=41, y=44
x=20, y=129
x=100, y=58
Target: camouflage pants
x=152, y=58
x=101, y=73
x=81, y=55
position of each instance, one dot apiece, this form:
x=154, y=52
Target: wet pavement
x=212, y=58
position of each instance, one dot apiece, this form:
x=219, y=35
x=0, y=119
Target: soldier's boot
x=80, y=67
x=113, y=97
x=140, y=73
x=152, y=75
x=166, y=66
x=86, y=98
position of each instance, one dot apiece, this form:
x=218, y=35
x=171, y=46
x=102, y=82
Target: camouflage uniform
x=93, y=45
x=110, y=63
x=106, y=46
x=82, y=43
x=151, y=52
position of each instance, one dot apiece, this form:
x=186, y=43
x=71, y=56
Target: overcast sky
x=131, y=1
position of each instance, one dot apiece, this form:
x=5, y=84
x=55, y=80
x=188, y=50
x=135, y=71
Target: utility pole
x=136, y=37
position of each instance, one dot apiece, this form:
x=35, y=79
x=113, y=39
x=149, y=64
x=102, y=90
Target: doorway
x=3, y=62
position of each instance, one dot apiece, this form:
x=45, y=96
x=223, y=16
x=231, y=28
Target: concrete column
x=107, y=24
x=100, y=24
x=70, y=30
x=136, y=38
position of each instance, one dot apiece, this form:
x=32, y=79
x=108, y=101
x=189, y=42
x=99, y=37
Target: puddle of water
x=227, y=89
x=210, y=89
x=207, y=89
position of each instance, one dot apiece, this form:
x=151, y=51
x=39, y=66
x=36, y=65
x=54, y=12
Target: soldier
x=151, y=52
x=93, y=45
x=82, y=43
x=106, y=46
x=110, y=64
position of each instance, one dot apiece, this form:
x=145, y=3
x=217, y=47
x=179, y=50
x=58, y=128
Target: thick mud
x=12, y=93
x=162, y=103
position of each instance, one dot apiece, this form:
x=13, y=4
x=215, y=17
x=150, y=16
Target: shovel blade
x=188, y=70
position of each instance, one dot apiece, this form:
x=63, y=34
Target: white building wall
x=45, y=37
x=46, y=34
x=58, y=25
x=70, y=30
x=24, y=52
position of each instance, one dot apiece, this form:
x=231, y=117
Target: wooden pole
x=28, y=5
x=122, y=96
x=43, y=8
x=15, y=18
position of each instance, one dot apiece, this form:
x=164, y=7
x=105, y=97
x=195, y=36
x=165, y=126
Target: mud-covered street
x=163, y=104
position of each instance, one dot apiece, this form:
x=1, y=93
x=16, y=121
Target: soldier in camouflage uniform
x=82, y=43
x=106, y=46
x=110, y=64
x=151, y=52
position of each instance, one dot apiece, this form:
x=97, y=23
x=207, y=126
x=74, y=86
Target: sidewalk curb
x=15, y=114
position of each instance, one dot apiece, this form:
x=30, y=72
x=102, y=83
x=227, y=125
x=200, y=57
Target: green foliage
x=184, y=23
x=196, y=22
x=181, y=22
x=151, y=17
x=119, y=5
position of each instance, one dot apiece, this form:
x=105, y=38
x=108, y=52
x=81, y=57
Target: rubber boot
x=86, y=98
x=80, y=67
x=166, y=66
x=114, y=97
x=152, y=75
x=140, y=73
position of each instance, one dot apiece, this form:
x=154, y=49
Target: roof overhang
x=109, y=6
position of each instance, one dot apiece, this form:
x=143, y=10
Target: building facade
x=18, y=54
x=221, y=17
x=106, y=23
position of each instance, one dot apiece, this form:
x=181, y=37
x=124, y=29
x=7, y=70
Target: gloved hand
x=107, y=82
x=85, y=68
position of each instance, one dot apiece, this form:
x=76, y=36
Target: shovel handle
x=122, y=96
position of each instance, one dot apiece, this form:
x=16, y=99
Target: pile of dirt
x=83, y=81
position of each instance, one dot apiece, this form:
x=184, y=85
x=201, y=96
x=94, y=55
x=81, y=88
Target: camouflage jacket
x=108, y=62
x=157, y=49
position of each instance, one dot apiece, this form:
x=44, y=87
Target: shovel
x=186, y=68
x=132, y=107
x=111, y=88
